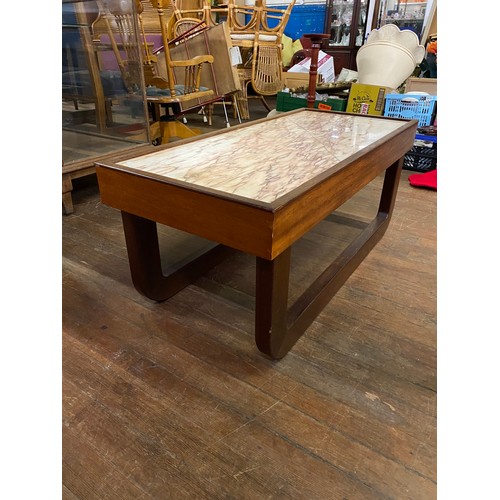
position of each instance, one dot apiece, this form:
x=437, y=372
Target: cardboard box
x=298, y=80
x=428, y=85
x=326, y=67
x=367, y=99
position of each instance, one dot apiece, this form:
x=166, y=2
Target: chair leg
x=236, y=109
x=210, y=112
x=225, y=112
x=242, y=96
x=264, y=102
x=234, y=105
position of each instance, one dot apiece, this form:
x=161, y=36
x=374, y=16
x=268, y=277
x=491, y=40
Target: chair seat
x=156, y=94
x=179, y=90
x=251, y=36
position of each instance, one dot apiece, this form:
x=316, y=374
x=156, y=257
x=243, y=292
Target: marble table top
x=266, y=160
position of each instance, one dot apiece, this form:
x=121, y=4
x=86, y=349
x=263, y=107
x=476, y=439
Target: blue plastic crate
x=425, y=137
x=308, y=18
x=411, y=106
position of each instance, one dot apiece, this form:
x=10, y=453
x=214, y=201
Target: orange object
x=324, y=106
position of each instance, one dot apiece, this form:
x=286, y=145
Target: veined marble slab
x=267, y=160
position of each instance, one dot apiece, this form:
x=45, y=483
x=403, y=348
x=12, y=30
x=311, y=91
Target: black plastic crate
x=421, y=158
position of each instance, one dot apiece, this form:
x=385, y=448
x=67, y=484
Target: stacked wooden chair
x=203, y=10
x=178, y=87
x=188, y=19
x=173, y=86
x=173, y=77
x=261, y=47
x=258, y=31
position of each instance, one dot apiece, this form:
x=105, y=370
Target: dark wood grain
x=173, y=400
x=266, y=230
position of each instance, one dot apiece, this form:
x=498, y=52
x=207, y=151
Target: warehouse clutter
x=124, y=75
x=382, y=85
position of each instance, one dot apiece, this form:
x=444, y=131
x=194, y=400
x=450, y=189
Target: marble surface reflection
x=267, y=160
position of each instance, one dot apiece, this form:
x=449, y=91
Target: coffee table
x=258, y=188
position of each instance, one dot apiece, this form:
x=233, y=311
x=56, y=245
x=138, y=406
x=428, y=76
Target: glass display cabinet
x=346, y=22
x=412, y=16
x=103, y=100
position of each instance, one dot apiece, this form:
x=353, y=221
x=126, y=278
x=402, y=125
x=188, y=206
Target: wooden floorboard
x=173, y=399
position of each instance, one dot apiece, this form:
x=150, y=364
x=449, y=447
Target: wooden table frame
x=266, y=230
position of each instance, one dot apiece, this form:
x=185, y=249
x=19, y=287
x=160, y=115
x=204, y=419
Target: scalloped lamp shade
x=389, y=57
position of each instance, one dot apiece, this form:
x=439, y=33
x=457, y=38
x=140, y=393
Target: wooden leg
x=141, y=237
x=277, y=326
x=210, y=113
x=264, y=102
x=242, y=98
x=67, y=198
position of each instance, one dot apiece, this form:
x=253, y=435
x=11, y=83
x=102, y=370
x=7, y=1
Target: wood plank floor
x=173, y=399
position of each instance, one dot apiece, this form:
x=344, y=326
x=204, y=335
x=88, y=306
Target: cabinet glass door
x=340, y=23
x=347, y=23
x=405, y=15
x=362, y=15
